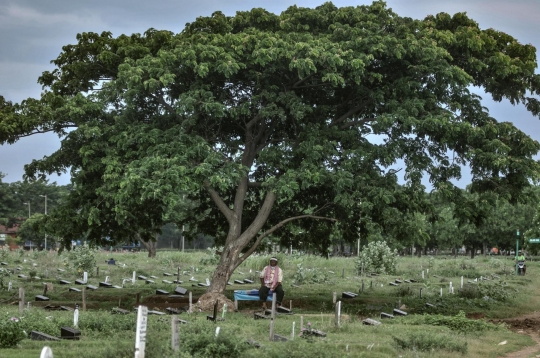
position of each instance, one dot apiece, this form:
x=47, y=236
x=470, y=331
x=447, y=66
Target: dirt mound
x=206, y=302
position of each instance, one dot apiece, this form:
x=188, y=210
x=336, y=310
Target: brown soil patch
x=529, y=325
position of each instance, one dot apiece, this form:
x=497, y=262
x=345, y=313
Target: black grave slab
x=313, y=332
x=161, y=292
x=278, y=338
x=74, y=289
x=149, y=282
x=392, y=284
x=3, y=263
x=430, y=305
x=248, y=280
x=258, y=315
x=371, y=322
x=105, y=284
x=229, y=283
x=239, y=282
x=153, y=277
x=92, y=287
x=399, y=281
x=253, y=343
x=348, y=295
x=203, y=284
x=281, y=309
x=177, y=281
x=399, y=312
x=70, y=333
x=117, y=310
x=41, y=298
x=166, y=281
x=80, y=282
x=413, y=281
x=157, y=313
x=141, y=277
x=167, y=274
x=64, y=282
x=40, y=336
x=180, y=290
x=61, y=270
x=22, y=276
x=172, y=310
x=386, y=315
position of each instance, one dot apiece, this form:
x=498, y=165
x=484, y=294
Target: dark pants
x=263, y=293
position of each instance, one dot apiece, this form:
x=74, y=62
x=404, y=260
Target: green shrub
x=377, y=257
x=198, y=339
x=429, y=342
x=81, y=259
x=211, y=258
x=498, y=290
x=459, y=322
x=314, y=275
x=11, y=332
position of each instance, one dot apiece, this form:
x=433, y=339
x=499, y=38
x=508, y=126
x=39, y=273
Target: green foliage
x=459, y=323
x=212, y=258
x=430, y=342
x=314, y=275
x=198, y=339
x=496, y=290
x=11, y=332
x=4, y=252
x=82, y=259
x=4, y=276
x=377, y=257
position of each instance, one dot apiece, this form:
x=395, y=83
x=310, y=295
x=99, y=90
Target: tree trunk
x=473, y=252
x=418, y=251
x=150, y=246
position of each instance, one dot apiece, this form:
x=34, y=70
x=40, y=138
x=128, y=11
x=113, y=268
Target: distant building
x=6, y=233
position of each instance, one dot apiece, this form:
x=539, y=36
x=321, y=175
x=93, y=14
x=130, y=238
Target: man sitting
x=271, y=278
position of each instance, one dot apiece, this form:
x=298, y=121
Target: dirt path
x=529, y=325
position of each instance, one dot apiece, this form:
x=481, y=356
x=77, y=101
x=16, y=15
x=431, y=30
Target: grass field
x=426, y=331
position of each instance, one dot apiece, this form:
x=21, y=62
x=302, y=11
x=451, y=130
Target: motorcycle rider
x=521, y=257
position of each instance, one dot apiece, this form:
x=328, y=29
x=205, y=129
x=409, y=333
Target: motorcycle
x=521, y=268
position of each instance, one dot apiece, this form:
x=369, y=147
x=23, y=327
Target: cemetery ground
x=493, y=315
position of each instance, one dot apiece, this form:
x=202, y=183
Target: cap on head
x=273, y=259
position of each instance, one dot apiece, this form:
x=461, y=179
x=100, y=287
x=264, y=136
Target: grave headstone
x=153, y=277
x=239, y=282
x=70, y=333
x=180, y=290
x=172, y=310
x=348, y=295
x=41, y=298
x=371, y=322
x=46, y=352
x=246, y=280
x=148, y=281
x=157, y=313
x=118, y=310
x=74, y=289
x=167, y=274
x=64, y=282
x=141, y=277
x=166, y=281
x=40, y=336
x=399, y=312
x=140, y=333
x=80, y=282
x=278, y=338
x=105, y=284
x=386, y=315
x=177, y=281
x=175, y=341
x=92, y=287
x=161, y=292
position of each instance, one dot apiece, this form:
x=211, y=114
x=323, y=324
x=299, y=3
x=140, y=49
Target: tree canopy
x=241, y=125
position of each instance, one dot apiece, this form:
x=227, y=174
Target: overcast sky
x=32, y=33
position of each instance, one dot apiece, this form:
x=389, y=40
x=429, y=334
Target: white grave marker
x=133, y=278
x=292, y=334
x=107, y=278
x=76, y=317
x=208, y=281
x=422, y=274
x=10, y=286
x=217, y=331
x=46, y=352
x=140, y=334
x=175, y=342
x=224, y=310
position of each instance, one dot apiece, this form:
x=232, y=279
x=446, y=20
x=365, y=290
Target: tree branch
x=228, y=213
x=274, y=228
x=358, y=122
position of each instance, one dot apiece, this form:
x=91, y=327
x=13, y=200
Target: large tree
x=262, y=119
